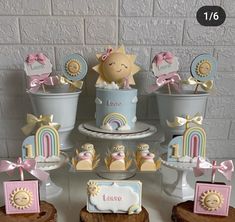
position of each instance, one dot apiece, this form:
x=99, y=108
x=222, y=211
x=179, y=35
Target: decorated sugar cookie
x=44, y=146
x=210, y=197
x=74, y=67
x=37, y=64
x=203, y=69
x=116, y=66
x=38, y=68
x=145, y=159
x=164, y=67
x=192, y=144
x=22, y=196
x=118, y=158
x=74, y=70
x=86, y=159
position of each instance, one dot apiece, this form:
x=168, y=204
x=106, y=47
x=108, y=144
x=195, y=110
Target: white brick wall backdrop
x=145, y=27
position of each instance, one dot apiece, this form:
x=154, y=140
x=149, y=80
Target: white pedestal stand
x=48, y=189
x=141, y=130
x=180, y=188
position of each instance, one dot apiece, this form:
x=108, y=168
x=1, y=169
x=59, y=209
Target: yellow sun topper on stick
x=116, y=66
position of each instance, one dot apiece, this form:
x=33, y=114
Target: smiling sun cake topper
x=164, y=67
x=213, y=198
x=116, y=66
x=203, y=69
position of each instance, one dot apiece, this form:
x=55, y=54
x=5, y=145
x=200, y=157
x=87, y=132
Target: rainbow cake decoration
x=115, y=100
x=44, y=146
x=86, y=159
x=189, y=146
x=118, y=159
x=145, y=159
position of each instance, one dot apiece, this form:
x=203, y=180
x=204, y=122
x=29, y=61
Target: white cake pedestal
x=141, y=130
x=48, y=189
x=180, y=188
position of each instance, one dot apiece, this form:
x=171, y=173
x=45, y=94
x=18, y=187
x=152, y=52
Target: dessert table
x=73, y=198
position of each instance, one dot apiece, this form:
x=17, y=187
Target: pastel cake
x=115, y=99
x=116, y=108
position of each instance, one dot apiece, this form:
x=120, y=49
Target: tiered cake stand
x=140, y=131
x=48, y=189
x=180, y=188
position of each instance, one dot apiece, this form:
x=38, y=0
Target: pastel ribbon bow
x=31, y=58
x=118, y=155
x=29, y=165
x=180, y=121
x=207, y=85
x=73, y=85
x=106, y=54
x=226, y=168
x=36, y=81
x=163, y=56
x=170, y=78
x=34, y=122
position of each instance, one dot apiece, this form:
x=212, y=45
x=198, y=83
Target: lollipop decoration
x=74, y=70
x=38, y=68
x=116, y=66
x=203, y=69
x=164, y=67
x=213, y=198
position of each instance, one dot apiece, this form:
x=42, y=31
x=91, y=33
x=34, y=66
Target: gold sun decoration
x=21, y=198
x=116, y=67
x=203, y=68
x=73, y=67
x=92, y=188
x=211, y=200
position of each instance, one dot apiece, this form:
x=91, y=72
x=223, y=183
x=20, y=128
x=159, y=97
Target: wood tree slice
x=183, y=212
x=48, y=214
x=85, y=216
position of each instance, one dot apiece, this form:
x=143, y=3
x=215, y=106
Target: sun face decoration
x=73, y=67
x=92, y=188
x=116, y=66
x=21, y=198
x=203, y=68
x=211, y=200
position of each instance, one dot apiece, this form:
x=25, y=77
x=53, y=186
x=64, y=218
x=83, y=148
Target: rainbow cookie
x=189, y=146
x=117, y=159
x=86, y=159
x=44, y=146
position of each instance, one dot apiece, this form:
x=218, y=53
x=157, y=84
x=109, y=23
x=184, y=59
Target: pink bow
x=163, y=56
x=36, y=81
x=106, y=54
x=31, y=58
x=118, y=155
x=226, y=168
x=171, y=78
x=29, y=165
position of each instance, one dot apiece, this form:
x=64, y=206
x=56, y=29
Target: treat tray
x=141, y=130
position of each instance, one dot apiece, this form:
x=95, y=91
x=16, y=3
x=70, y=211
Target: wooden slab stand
x=183, y=212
